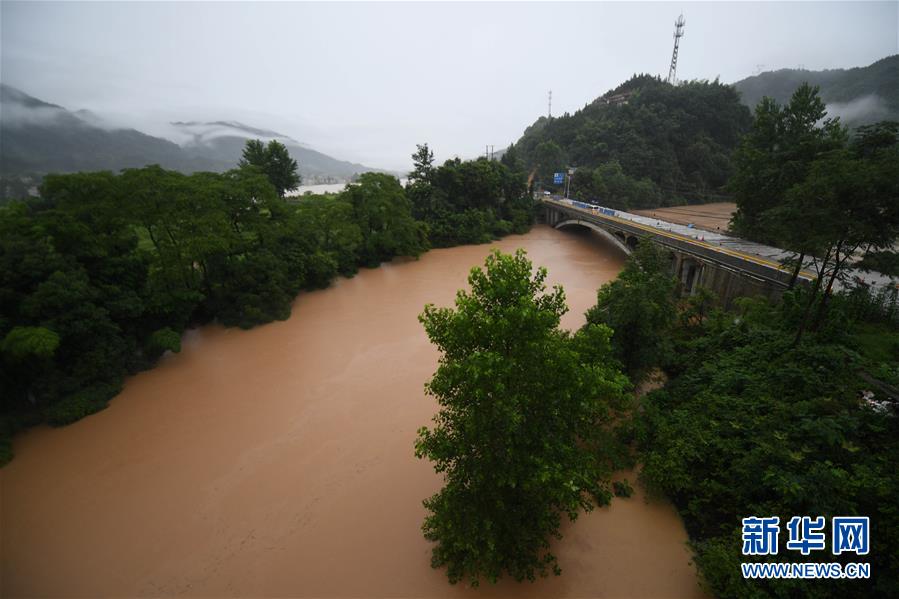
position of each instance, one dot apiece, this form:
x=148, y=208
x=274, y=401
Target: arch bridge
x=695, y=262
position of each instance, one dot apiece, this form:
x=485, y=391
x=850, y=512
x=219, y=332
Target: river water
x=279, y=461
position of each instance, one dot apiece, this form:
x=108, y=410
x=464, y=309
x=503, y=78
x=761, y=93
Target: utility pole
x=568, y=182
x=549, y=112
x=678, y=33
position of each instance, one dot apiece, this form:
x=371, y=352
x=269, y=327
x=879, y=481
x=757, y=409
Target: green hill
x=859, y=96
x=37, y=138
x=643, y=144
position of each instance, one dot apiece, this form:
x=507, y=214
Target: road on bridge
x=755, y=258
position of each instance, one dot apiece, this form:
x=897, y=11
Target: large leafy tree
x=639, y=306
x=609, y=185
x=850, y=208
x=420, y=190
x=423, y=164
x=519, y=434
x=774, y=156
x=274, y=161
x=384, y=217
x=470, y=201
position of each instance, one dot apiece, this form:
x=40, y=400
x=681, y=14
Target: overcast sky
x=366, y=82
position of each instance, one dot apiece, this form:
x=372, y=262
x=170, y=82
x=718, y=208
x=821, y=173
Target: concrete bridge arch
x=727, y=272
x=617, y=239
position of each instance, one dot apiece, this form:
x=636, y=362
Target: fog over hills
x=859, y=96
x=37, y=137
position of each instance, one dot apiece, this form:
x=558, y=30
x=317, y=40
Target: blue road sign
x=558, y=178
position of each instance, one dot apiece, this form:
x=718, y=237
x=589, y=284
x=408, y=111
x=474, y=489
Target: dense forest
x=641, y=145
x=101, y=274
x=779, y=409
x=803, y=184
x=468, y=201
x=753, y=422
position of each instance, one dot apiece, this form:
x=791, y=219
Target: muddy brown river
x=279, y=461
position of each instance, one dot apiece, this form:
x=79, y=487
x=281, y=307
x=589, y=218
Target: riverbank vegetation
x=515, y=461
x=101, y=274
x=751, y=420
x=470, y=201
x=751, y=423
x=779, y=409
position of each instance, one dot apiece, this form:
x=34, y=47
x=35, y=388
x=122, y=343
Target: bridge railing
x=753, y=265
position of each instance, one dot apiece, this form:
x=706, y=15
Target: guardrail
x=755, y=266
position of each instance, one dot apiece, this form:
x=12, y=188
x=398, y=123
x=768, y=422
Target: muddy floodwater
x=279, y=461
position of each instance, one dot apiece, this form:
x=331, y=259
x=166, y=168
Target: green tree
x=384, y=216
x=329, y=221
x=679, y=138
x=850, y=208
x=471, y=201
x=511, y=159
x=773, y=157
x=549, y=158
x=639, y=306
x=419, y=189
x=274, y=161
x=748, y=424
x=520, y=426
x=423, y=164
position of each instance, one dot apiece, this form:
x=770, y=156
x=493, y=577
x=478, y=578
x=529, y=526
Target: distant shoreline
x=320, y=188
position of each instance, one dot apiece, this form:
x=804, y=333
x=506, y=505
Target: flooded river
x=279, y=461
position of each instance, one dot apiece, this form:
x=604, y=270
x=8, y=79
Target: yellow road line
x=714, y=248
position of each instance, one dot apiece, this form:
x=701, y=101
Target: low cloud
x=865, y=109
x=16, y=115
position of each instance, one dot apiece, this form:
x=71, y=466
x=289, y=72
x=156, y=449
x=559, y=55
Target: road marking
x=714, y=248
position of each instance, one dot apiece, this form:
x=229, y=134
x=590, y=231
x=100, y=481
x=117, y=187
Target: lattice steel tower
x=678, y=33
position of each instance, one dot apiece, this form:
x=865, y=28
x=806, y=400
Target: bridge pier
x=729, y=284
x=694, y=265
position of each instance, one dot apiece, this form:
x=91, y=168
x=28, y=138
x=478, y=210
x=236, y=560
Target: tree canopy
x=639, y=307
x=777, y=154
x=520, y=431
x=102, y=272
x=672, y=144
x=274, y=161
x=470, y=201
x=748, y=424
x=803, y=185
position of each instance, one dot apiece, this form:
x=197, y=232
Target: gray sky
x=366, y=82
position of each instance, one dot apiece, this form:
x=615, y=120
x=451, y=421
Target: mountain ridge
x=859, y=95
x=39, y=137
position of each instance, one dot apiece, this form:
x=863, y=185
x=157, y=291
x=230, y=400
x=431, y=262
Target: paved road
x=757, y=258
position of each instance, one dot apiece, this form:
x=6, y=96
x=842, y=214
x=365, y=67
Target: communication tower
x=549, y=111
x=678, y=33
